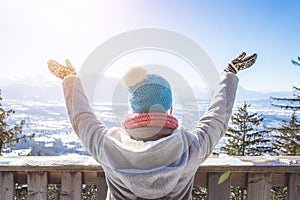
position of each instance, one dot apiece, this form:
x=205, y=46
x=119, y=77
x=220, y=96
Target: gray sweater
x=154, y=169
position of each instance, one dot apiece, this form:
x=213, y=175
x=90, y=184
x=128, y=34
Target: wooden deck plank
x=294, y=186
x=7, y=185
x=37, y=185
x=259, y=186
x=218, y=191
x=71, y=186
x=279, y=164
x=101, y=186
x=201, y=179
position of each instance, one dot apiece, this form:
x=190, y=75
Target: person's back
x=151, y=156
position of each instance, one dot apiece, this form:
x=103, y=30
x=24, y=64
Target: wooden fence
x=257, y=174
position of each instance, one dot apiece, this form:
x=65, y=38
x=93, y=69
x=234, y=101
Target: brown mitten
x=59, y=70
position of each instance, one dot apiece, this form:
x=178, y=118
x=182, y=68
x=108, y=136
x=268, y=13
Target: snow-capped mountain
x=42, y=89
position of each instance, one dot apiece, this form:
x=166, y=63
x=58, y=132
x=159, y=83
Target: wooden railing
x=257, y=174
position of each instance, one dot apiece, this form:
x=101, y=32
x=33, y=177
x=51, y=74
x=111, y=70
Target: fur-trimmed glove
x=59, y=70
x=241, y=62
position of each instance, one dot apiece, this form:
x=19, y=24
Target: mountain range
x=38, y=88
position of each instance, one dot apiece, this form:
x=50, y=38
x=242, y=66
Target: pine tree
x=287, y=142
x=10, y=135
x=246, y=136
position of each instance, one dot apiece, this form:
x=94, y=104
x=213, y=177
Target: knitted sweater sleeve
x=89, y=129
x=213, y=125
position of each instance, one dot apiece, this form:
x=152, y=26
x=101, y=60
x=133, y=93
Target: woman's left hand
x=59, y=70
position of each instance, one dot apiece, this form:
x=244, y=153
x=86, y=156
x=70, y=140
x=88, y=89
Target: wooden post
x=7, y=185
x=101, y=186
x=259, y=186
x=200, y=179
x=294, y=186
x=71, y=186
x=37, y=185
x=218, y=191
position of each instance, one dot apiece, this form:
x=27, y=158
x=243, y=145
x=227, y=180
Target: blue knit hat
x=147, y=92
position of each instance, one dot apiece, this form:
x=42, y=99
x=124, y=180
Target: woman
x=150, y=156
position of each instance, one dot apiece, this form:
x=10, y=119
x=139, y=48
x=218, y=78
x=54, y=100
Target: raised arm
x=213, y=125
x=84, y=122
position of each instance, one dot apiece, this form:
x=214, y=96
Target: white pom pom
x=134, y=75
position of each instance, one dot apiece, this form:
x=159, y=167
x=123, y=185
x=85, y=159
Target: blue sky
x=33, y=32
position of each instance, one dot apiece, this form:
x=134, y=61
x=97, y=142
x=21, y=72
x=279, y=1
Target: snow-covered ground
x=54, y=134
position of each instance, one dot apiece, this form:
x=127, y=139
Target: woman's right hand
x=240, y=63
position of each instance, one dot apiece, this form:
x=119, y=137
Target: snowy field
x=54, y=134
